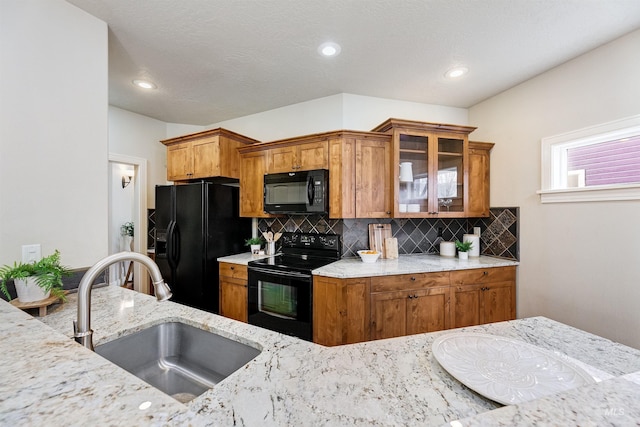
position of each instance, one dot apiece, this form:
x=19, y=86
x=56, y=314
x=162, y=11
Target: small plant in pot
x=255, y=243
x=126, y=231
x=463, y=249
x=37, y=280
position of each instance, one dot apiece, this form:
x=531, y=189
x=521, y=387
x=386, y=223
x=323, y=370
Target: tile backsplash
x=499, y=232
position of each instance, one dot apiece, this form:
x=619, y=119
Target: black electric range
x=302, y=252
x=280, y=288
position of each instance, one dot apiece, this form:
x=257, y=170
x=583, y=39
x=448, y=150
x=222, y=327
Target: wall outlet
x=31, y=253
x=476, y=231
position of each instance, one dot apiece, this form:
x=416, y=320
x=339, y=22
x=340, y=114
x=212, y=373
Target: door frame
x=140, y=274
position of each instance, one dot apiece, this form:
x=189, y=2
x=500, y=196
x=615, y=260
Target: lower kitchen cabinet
x=340, y=310
x=422, y=305
x=483, y=296
x=233, y=291
x=370, y=308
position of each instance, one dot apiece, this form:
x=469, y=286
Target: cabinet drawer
x=236, y=271
x=483, y=275
x=402, y=282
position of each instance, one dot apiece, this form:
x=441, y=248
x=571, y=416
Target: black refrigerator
x=196, y=224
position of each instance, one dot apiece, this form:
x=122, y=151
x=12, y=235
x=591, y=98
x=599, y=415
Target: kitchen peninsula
x=49, y=379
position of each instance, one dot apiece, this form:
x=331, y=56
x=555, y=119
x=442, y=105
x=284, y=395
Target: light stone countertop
x=48, y=379
x=404, y=264
x=241, y=259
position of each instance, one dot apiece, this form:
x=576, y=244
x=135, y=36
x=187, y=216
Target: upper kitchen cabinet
x=296, y=154
x=430, y=169
x=360, y=175
x=253, y=166
x=212, y=153
x=478, y=203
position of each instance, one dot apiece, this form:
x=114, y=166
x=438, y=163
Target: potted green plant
x=255, y=243
x=463, y=249
x=126, y=230
x=37, y=280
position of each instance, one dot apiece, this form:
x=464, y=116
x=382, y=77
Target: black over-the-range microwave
x=297, y=192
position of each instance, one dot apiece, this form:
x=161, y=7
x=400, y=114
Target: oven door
x=281, y=301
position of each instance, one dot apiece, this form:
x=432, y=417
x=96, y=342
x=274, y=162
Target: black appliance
x=297, y=192
x=281, y=287
x=195, y=224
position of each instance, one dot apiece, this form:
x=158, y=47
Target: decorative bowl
x=369, y=256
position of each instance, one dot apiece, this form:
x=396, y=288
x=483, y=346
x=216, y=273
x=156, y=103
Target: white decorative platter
x=506, y=370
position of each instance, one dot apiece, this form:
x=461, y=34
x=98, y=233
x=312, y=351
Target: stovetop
x=303, y=252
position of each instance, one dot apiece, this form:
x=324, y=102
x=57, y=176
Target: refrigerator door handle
x=175, y=241
x=171, y=246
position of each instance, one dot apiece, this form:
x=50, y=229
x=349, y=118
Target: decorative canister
x=448, y=249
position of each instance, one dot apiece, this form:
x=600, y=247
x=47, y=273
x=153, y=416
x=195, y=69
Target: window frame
x=554, y=162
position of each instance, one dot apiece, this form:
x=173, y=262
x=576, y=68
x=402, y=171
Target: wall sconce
x=126, y=180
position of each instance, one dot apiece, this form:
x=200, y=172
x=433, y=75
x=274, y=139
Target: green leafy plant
x=48, y=273
x=253, y=241
x=127, y=229
x=463, y=246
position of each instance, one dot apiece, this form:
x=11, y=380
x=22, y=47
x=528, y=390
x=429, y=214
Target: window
x=597, y=163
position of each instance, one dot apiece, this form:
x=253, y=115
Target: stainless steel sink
x=178, y=359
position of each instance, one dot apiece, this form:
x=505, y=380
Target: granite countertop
x=49, y=379
x=241, y=259
x=404, y=264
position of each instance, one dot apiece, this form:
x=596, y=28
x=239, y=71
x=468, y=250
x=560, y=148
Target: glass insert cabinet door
x=431, y=175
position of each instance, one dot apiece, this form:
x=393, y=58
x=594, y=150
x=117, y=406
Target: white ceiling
x=221, y=59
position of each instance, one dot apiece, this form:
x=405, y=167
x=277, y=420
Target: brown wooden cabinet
x=442, y=177
x=360, y=175
x=478, y=202
x=483, y=296
x=369, y=308
x=253, y=166
x=340, y=310
x=298, y=156
x=233, y=291
x=409, y=304
x=212, y=153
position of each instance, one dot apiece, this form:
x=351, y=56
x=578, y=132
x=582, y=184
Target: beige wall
x=342, y=111
x=53, y=131
x=580, y=262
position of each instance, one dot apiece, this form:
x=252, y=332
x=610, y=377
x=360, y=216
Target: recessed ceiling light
x=329, y=49
x=456, y=72
x=144, y=84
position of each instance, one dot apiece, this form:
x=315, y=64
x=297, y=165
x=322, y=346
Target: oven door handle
x=291, y=274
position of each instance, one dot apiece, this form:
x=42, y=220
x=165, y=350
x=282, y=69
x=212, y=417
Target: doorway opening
x=128, y=211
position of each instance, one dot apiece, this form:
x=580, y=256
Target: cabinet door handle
x=410, y=296
x=413, y=279
x=232, y=268
x=485, y=272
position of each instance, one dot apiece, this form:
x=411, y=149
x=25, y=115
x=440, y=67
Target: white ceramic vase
x=127, y=244
x=29, y=291
x=464, y=256
x=255, y=249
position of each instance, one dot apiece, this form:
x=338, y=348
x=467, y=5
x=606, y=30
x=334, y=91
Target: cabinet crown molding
x=210, y=133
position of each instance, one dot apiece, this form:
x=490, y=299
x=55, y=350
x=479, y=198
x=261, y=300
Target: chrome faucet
x=82, y=331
